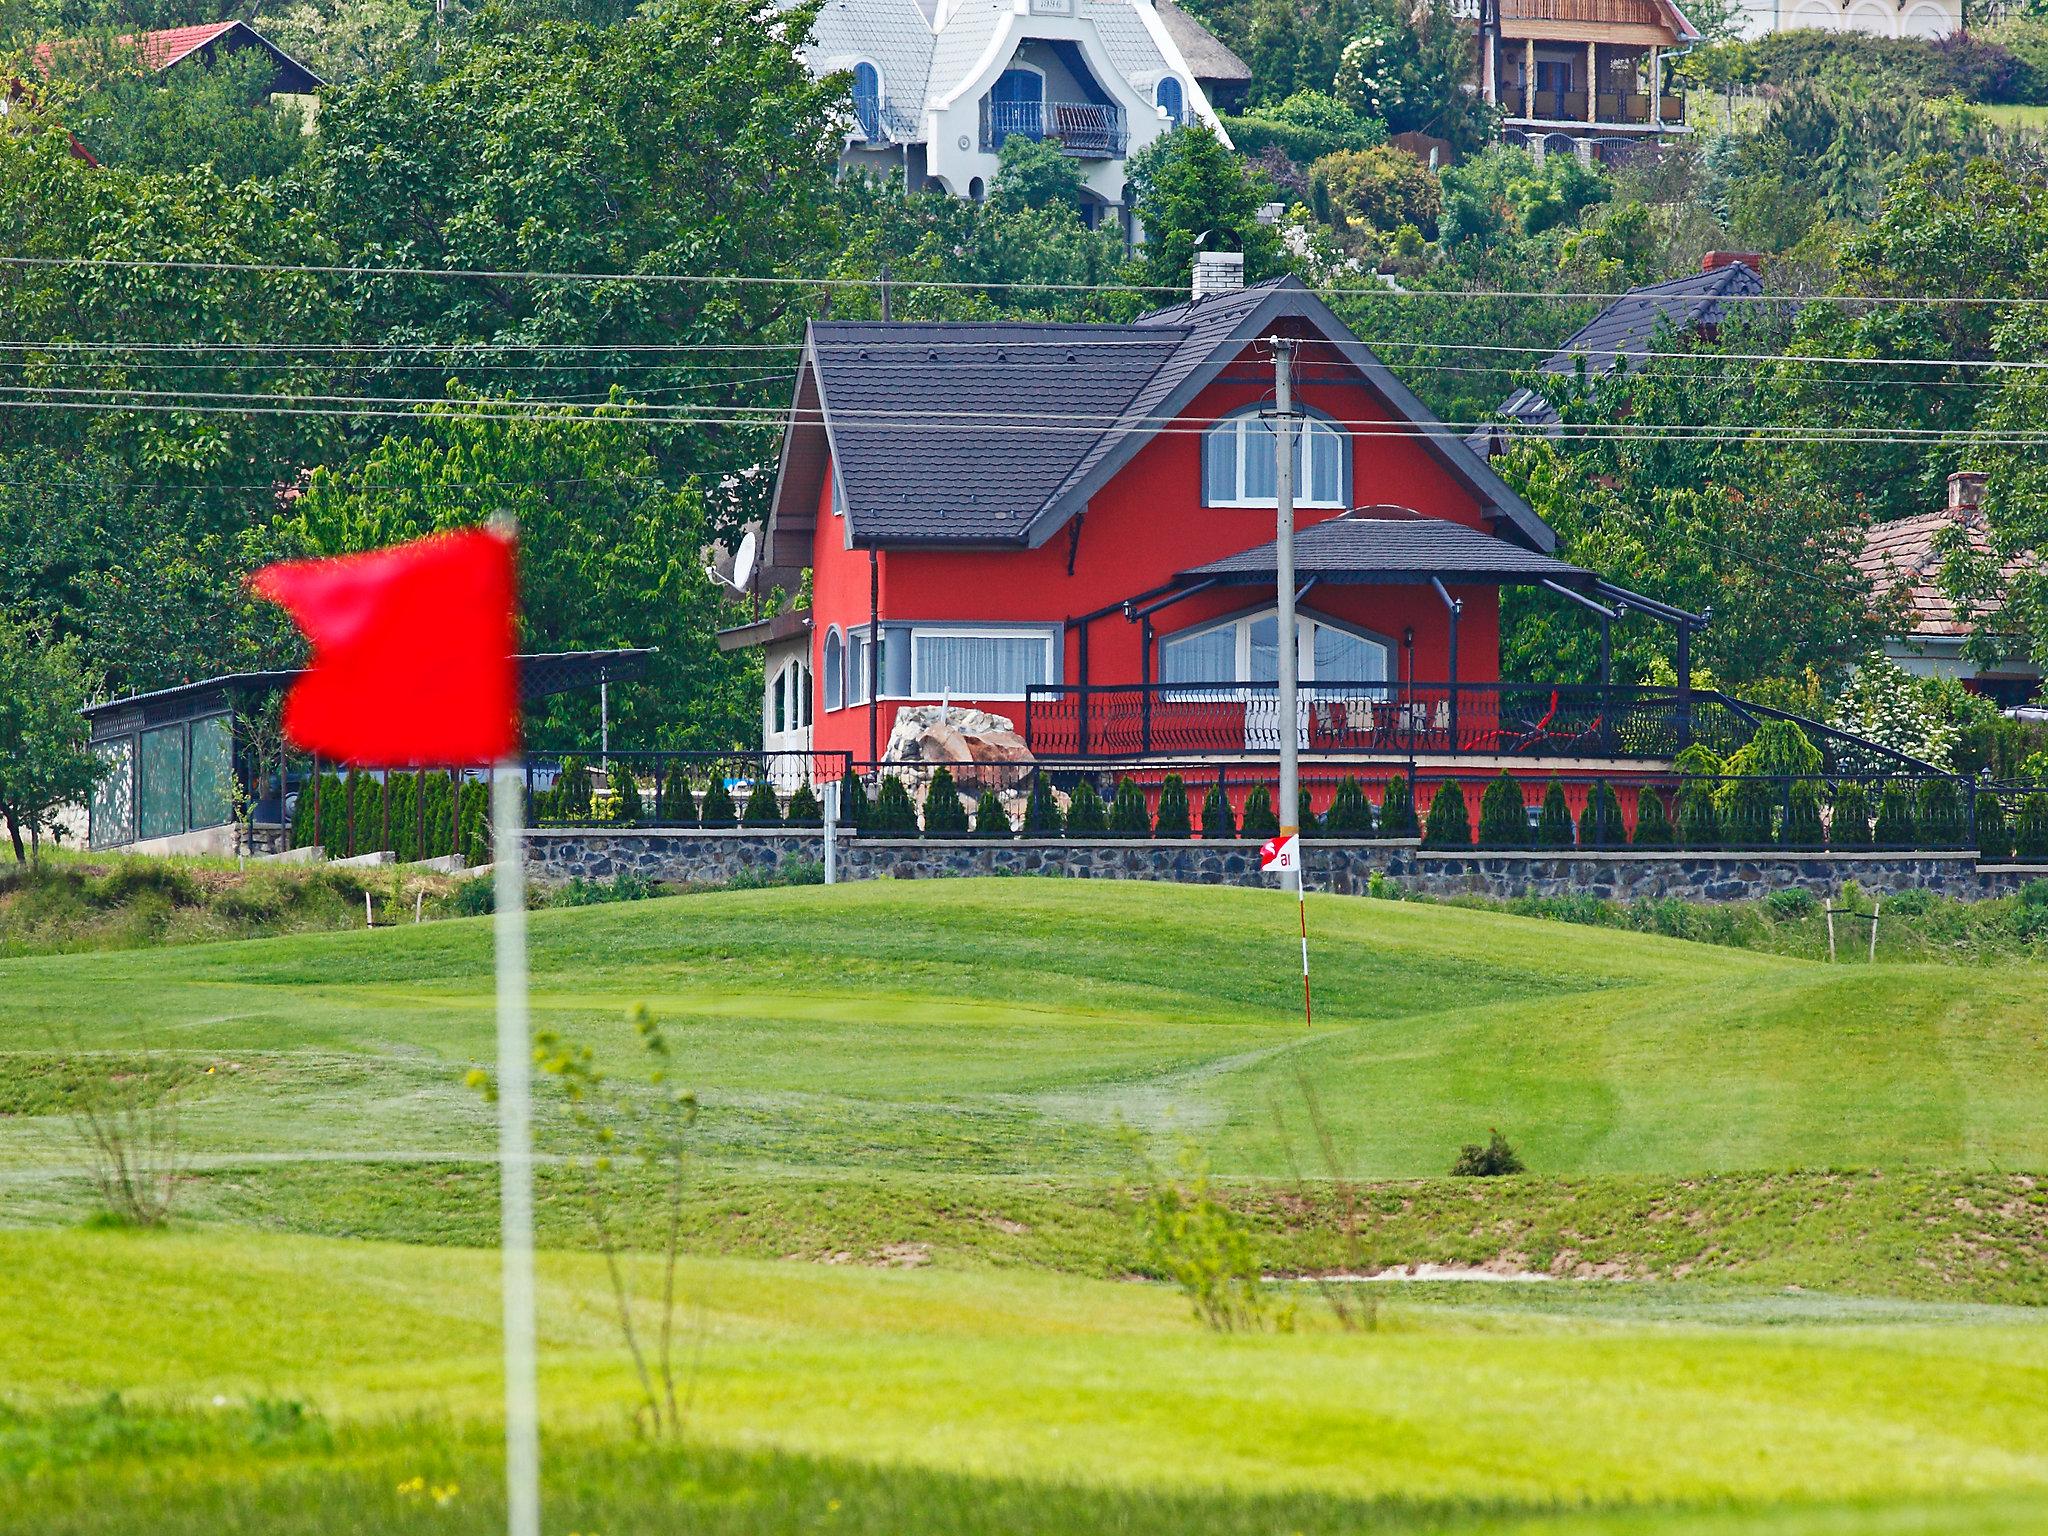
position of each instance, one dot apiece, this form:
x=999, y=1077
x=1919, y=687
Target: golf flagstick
x=515, y=1153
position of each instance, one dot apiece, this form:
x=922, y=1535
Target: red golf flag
x=412, y=652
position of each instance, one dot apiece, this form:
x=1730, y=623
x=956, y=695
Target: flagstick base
x=515, y=1154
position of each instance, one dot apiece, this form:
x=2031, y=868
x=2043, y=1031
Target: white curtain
x=978, y=666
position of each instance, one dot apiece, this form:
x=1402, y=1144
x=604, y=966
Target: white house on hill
x=1878, y=18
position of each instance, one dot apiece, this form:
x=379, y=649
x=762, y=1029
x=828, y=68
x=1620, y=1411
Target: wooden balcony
x=1588, y=13
x=1611, y=110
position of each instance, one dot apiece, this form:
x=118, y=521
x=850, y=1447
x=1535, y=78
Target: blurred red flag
x=412, y=652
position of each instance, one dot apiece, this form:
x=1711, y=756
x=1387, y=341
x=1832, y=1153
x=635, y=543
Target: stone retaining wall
x=1345, y=865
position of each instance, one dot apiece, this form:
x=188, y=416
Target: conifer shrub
x=1802, y=824
x=1259, y=819
x=1087, y=816
x=892, y=811
x=1450, y=819
x=1397, y=809
x=944, y=814
x=1745, y=807
x=1994, y=833
x=1174, y=814
x=1218, y=820
x=853, y=801
x=572, y=790
x=632, y=809
x=762, y=808
x=1350, y=813
x=1494, y=1160
x=473, y=824
x=1306, y=820
x=1554, y=820
x=717, y=809
x=405, y=837
x=803, y=809
x=1042, y=817
x=1653, y=822
x=1600, y=824
x=1849, y=824
x=1699, y=818
x=1938, y=809
x=1503, y=815
x=1894, y=816
x=2030, y=830
x=1127, y=814
x=990, y=819
x=674, y=805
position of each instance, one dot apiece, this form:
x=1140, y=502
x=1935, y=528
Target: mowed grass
x=1072, y=1399
x=1017, y=1027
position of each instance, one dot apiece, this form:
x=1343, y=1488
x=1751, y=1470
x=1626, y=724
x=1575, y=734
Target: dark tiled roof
x=1383, y=549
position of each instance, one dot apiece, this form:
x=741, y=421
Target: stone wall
x=1344, y=865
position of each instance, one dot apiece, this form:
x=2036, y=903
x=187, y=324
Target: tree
x=214, y=113
x=1374, y=191
x=1190, y=194
x=45, y=762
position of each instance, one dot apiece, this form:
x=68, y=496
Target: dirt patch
x=903, y=1255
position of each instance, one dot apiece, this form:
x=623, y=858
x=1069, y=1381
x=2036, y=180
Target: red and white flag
x=1281, y=855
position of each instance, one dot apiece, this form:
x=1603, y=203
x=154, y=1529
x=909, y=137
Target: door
x=1017, y=104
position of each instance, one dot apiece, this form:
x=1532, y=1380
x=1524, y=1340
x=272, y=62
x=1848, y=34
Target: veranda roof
x=1367, y=550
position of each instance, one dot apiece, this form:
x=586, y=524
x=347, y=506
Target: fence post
x=832, y=833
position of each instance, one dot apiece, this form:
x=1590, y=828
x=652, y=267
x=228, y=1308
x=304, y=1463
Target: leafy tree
x=1218, y=820
x=1173, y=818
x=1374, y=192
x=1507, y=191
x=214, y=113
x=344, y=40
x=45, y=762
x=1503, y=814
x=1190, y=194
x=1449, y=824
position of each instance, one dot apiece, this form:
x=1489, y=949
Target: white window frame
x=1305, y=626
x=857, y=643
x=1241, y=424
x=1046, y=636
x=833, y=668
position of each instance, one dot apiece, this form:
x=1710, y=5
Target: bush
x=1360, y=192
x=674, y=805
x=1350, y=813
x=1938, y=809
x=1791, y=903
x=1802, y=828
x=1895, y=816
x=717, y=809
x=632, y=809
x=1218, y=820
x=853, y=801
x=804, y=810
x=1849, y=827
x=1554, y=820
x=1306, y=126
x=1653, y=822
x=1994, y=834
x=944, y=815
x=572, y=790
x=1042, y=816
x=892, y=811
x=1174, y=818
x=990, y=819
x=1600, y=826
x=473, y=827
x=1305, y=819
x=2030, y=835
x=1450, y=820
x=1087, y=816
x=1745, y=807
x=1397, y=809
x=1503, y=815
x=762, y=809
x=1259, y=820
x=1699, y=821
x=1909, y=903
x=1128, y=816
x=1491, y=1161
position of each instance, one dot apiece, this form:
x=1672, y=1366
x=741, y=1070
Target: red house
x=1072, y=527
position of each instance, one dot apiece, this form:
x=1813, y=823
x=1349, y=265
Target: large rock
x=961, y=738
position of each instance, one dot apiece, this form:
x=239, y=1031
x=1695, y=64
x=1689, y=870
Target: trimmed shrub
x=572, y=790
x=1653, y=822
x=1042, y=816
x=892, y=811
x=1554, y=821
x=990, y=819
x=1503, y=815
x=1802, y=826
x=853, y=801
x=1699, y=819
x=674, y=805
x=717, y=809
x=1450, y=819
x=1894, y=816
x=1746, y=807
x=2030, y=833
x=1305, y=819
x=1173, y=820
x=1491, y=1161
x=1849, y=826
x=1218, y=820
x=631, y=808
x=473, y=824
x=804, y=809
x=1087, y=816
x=1259, y=820
x=1397, y=809
x=405, y=841
x=1600, y=825
x=944, y=815
x=1350, y=813
x=1994, y=836
x=1128, y=816
x=1938, y=808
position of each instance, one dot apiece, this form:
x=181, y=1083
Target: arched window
x=867, y=100
x=1016, y=104
x=1170, y=98
x=1246, y=649
x=1239, y=467
x=835, y=669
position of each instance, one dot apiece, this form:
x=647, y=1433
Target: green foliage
x=1491, y=1161
x=1994, y=833
x=763, y=808
x=572, y=790
x=1653, y=822
x=1195, y=1240
x=45, y=761
x=1779, y=748
x=1554, y=820
x=1367, y=193
x=1801, y=827
x=1034, y=175
x=1042, y=815
x=1397, y=809
x=1192, y=194
x=215, y=113
x=1174, y=815
x=1895, y=827
x=1306, y=126
x=892, y=813
x=853, y=801
x=990, y=819
x=1791, y=904
x=675, y=805
x=1128, y=816
x=1218, y=819
x=804, y=810
x=944, y=814
x=1939, y=814
x=2030, y=833
x=1306, y=821
x=1699, y=818
x=1449, y=824
x=1600, y=825
x=1087, y=816
x=1260, y=819
x=1350, y=813
x=1747, y=809
x=473, y=824
x=716, y=809
x=1504, y=814
x=632, y=810
x=1849, y=824
x=1506, y=191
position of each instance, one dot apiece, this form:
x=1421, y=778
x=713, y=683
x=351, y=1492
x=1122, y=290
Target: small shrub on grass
x=1894, y=816
x=674, y=805
x=1127, y=814
x=1173, y=819
x=1600, y=824
x=1503, y=815
x=717, y=809
x=944, y=814
x=2030, y=834
x=1218, y=820
x=1042, y=816
x=1849, y=824
x=990, y=819
x=1554, y=820
x=1938, y=809
x=892, y=813
x=1204, y=1247
x=1791, y=904
x=579, y=892
x=1653, y=823
x=804, y=810
x=1350, y=813
x=1491, y=1161
x=1397, y=809
x=1994, y=833
x=763, y=809
x=1450, y=822
x=1259, y=820
x=1087, y=816
x=1802, y=828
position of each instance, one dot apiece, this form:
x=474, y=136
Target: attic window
x=1239, y=464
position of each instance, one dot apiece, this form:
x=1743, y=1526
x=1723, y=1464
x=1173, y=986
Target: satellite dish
x=743, y=559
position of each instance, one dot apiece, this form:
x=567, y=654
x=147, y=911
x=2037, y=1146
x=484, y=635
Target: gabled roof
x=161, y=49
x=1206, y=53
x=1904, y=555
x=1363, y=550
x=997, y=434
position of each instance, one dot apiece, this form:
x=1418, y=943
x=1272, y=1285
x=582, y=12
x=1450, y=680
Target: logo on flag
x=1281, y=855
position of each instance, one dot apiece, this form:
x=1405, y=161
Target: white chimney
x=1218, y=272
x=1966, y=490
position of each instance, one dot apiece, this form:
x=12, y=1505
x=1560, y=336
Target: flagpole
x=515, y=1153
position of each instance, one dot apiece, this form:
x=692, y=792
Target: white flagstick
x=515, y=1155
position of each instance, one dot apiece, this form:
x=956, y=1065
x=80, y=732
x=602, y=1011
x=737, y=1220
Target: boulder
x=936, y=733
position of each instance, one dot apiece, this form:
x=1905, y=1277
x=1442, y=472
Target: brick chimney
x=1966, y=490
x=1218, y=272
x=1714, y=261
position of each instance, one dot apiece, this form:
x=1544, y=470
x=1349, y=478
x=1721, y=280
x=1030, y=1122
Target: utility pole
x=1288, y=644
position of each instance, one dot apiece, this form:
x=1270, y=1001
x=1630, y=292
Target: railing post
x=1028, y=687
x=1145, y=684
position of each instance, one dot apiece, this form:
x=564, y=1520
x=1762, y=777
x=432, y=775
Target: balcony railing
x=1085, y=129
x=883, y=122
x=1631, y=109
x=1586, y=13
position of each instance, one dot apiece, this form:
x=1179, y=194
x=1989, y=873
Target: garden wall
x=713, y=856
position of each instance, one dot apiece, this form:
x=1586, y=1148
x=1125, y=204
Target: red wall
x=1147, y=524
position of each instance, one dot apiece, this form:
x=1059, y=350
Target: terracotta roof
x=161, y=49
x=1903, y=555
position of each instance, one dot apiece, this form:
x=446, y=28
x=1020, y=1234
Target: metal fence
x=680, y=789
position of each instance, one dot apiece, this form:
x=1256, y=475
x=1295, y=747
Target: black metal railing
x=1090, y=130
x=679, y=789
